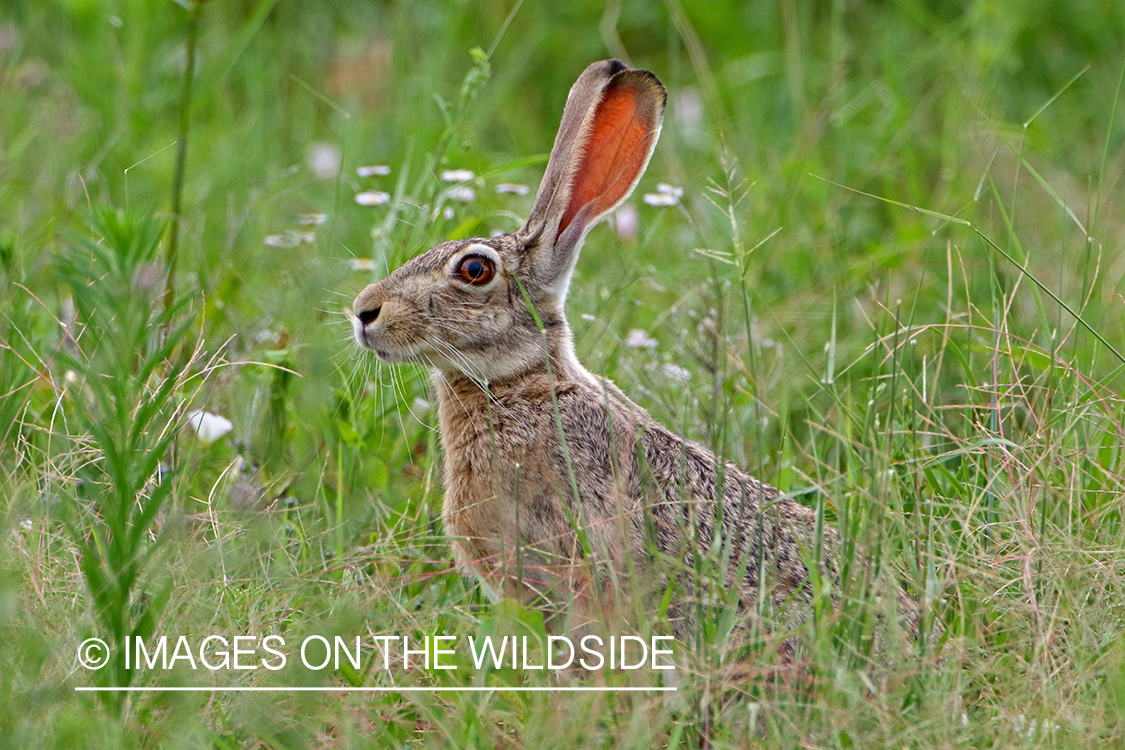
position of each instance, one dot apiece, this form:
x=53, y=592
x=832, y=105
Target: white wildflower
x=372, y=198
x=311, y=220
x=273, y=339
x=462, y=194
x=208, y=427
x=513, y=187
x=290, y=239
x=687, y=111
x=675, y=372
x=639, y=339
x=323, y=160
x=363, y=264
x=666, y=189
x=281, y=240
x=626, y=221
x=374, y=170
x=660, y=199
x=457, y=175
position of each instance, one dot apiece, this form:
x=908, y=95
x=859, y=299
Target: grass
x=891, y=288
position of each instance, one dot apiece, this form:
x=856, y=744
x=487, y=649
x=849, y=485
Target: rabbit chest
x=516, y=488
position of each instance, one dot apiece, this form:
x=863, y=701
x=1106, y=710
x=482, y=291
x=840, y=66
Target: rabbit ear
x=609, y=129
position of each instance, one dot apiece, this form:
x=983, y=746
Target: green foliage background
x=960, y=426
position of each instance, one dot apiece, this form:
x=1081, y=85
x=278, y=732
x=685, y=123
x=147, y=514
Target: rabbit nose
x=366, y=317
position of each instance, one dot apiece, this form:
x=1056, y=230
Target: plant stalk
x=173, y=246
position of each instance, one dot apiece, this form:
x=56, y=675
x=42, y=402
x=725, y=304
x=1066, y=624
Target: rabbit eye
x=476, y=270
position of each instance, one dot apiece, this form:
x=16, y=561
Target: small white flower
x=280, y=240
x=462, y=194
x=687, y=111
x=664, y=187
x=513, y=187
x=25, y=524
x=447, y=213
x=323, y=160
x=638, y=339
x=627, y=222
x=290, y=239
x=272, y=339
x=208, y=427
x=375, y=170
x=372, y=198
x=363, y=264
x=660, y=199
x=457, y=175
x=311, y=220
x=675, y=372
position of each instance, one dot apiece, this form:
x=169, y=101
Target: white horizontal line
x=474, y=689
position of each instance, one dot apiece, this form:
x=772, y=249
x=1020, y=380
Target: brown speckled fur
x=559, y=489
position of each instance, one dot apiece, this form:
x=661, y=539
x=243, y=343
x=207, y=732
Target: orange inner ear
x=614, y=154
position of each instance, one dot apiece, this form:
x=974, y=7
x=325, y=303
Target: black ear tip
x=648, y=78
x=615, y=66
x=656, y=82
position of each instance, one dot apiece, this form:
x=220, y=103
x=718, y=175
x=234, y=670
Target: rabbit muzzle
x=376, y=325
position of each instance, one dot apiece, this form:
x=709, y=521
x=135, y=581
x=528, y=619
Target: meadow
x=877, y=260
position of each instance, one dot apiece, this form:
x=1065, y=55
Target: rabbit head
x=470, y=306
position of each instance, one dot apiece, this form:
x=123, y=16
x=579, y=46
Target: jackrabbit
x=559, y=489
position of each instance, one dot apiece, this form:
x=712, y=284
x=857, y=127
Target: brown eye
x=476, y=270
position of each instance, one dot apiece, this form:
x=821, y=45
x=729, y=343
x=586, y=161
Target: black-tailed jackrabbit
x=559, y=489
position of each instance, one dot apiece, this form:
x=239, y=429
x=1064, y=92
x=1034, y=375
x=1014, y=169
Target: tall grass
x=815, y=308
